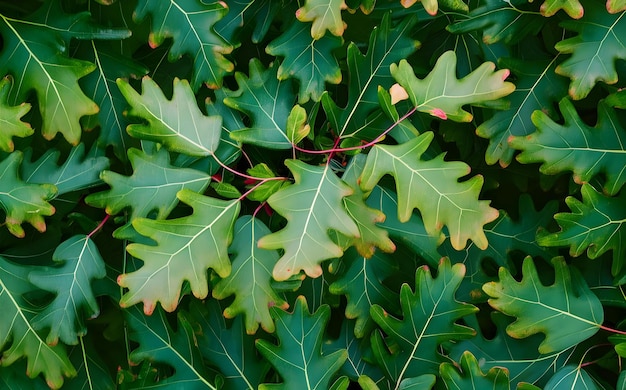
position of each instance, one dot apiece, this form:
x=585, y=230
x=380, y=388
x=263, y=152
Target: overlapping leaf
x=471, y=375
x=267, y=101
x=177, y=123
x=32, y=52
x=506, y=21
x=78, y=171
x=250, y=279
x=362, y=284
x=432, y=186
x=309, y=60
x=92, y=372
x=387, y=44
x=229, y=349
x=442, y=95
x=431, y=6
x=23, y=202
x=599, y=44
x=325, y=15
x=574, y=146
x=595, y=225
x=537, y=88
x=186, y=248
x=312, y=206
x=572, y=377
x=10, y=117
x=190, y=25
x=567, y=312
x=430, y=315
x=573, y=8
x=298, y=358
x=152, y=187
x=17, y=331
x=79, y=263
x=158, y=342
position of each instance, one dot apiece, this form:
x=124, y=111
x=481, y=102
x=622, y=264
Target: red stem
x=612, y=330
x=100, y=225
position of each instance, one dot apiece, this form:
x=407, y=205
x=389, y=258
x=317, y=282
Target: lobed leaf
x=572, y=7
x=10, y=117
x=471, y=375
x=432, y=187
x=325, y=15
x=442, y=95
x=312, y=206
x=185, y=249
x=431, y=6
x=567, y=312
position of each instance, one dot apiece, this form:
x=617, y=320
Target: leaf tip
x=439, y=113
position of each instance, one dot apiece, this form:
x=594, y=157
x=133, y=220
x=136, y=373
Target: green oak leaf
x=100, y=85
x=371, y=235
x=431, y=6
x=362, y=282
x=79, y=263
x=430, y=314
x=260, y=192
x=190, y=24
x=325, y=15
x=615, y=6
x=250, y=279
x=537, y=88
x=595, y=225
x=432, y=187
x=311, y=61
x=33, y=53
x=23, y=202
x=386, y=45
x=229, y=349
x=519, y=357
x=158, y=342
x=185, y=249
x=572, y=377
x=312, y=206
x=574, y=146
x=572, y=7
x=92, y=371
x=471, y=375
x=177, y=123
x=78, y=171
x=567, y=312
x=600, y=42
x=507, y=21
x=16, y=330
x=268, y=101
x=442, y=95
x=151, y=188
x=10, y=117
x=298, y=357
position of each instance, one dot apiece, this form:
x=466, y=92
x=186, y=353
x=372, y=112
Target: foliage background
x=321, y=194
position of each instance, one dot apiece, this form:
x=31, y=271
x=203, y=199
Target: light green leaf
x=312, y=206
x=12, y=126
x=250, y=279
x=298, y=357
x=537, y=88
x=229, y=349
x=325, y=15
x=17, y=331
x=268, y=102
x=599, y=44
x=615, y=6
x=567, y=312
x=79, y=263
x=471, y=375
x=574, y=146
x=159, y=343
x=186, y=248
x=430, y=315
x=507, y=21
x=190, y=24
x=432, y=187
x=431, y=6
x=23, y=202
x=442, y=95
x=596, y=225
x=297, y=128
x=78, y=171
x=422, y=382
x=573, y=8
x=309, y=60
x=151, y=188
x=574, y=378
x=263, y=191
x=177, y=123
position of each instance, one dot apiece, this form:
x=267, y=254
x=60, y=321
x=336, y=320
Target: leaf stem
x=100, y=225
x=612, y=330
x=246, y=176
